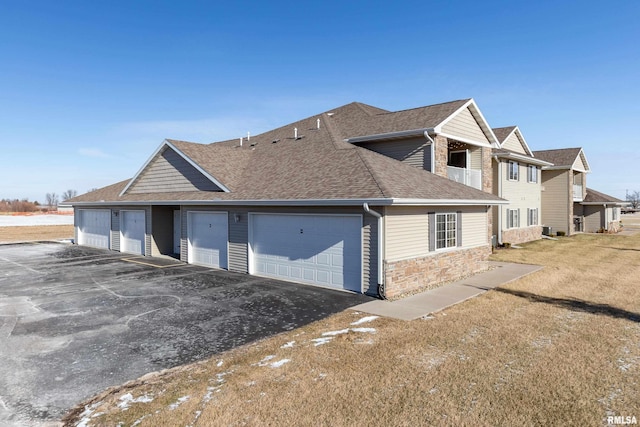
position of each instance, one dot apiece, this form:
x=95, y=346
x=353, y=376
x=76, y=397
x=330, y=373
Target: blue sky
x=88, y=90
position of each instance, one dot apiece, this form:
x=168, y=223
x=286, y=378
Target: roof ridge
x=370, y=170
x=431, y=105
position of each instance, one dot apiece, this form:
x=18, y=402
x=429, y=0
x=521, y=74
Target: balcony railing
x=470, y=177
x=577, y=192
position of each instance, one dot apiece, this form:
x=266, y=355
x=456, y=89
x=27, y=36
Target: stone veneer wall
x=441, y=155
x=433, y=270
x=522, y=235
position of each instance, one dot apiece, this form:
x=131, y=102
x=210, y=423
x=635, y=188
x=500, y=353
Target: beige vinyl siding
x=406, y=232
x=413, y=151
x=513, y=143
x=407, y=229
x=521, y=194
x=475, y=157
x=170, y=172
x=370, y=254
x=557, y=185
x=593, y=218
x=579, y=163
x=465, y=125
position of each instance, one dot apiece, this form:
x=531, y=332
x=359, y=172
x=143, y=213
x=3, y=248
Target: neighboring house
x=564, y=188
x=313, y=201
x=601, y=212
x=516, y=178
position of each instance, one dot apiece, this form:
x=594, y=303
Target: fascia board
x=388, y=135
x=524, y=159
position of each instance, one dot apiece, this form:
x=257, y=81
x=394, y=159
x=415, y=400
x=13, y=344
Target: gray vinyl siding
x=513, y=143
x=414, y=151
x=238, y=237
x=147, y=232
x=170, y=172
x=465, y=125
x=115, y=230
x=556, y=195
x=370, y=255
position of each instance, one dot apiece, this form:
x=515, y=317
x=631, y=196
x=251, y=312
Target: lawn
x=35, y=232
x=558, y=347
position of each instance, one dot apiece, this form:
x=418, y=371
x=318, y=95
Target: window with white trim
x=532, y=173
x=446, y=225
x=532, y=216
x=513, y=218
x=513, y=171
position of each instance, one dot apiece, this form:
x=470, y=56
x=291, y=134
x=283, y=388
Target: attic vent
x=318, y=124
x=253, y=144
x=295, y=133
x=275, y=141
x=330, y=114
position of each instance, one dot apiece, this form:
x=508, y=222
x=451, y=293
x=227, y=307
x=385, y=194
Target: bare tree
x=69, y=194
x=52, y=200
x=634, y=199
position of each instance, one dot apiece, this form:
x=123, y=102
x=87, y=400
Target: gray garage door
x=207, y=234
x=94, y=227
x=317, y=249
x=132, y=232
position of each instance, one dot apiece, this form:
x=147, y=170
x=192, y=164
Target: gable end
x=169, y=172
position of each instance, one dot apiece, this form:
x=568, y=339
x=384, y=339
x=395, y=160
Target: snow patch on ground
x=87, y=414
x=288, y=345
x=364, y=330
x=321, y=341
x=33, y=220
x=265, y=360
x=127, y=399
x=366, y=319
x=334, y=333
x=279, y=363
x=178, y=402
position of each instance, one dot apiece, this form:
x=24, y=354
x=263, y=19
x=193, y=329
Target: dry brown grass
x=35, y=232
x=559, y=347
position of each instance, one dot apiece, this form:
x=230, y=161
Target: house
x=344, y=199
x=601, y=212
x=564, y=187
x=516, y=178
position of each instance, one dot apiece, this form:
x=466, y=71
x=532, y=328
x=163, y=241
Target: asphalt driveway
x=75, y=320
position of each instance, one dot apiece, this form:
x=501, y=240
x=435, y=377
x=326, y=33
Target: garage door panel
x=132, y=232
x=94, y=228
x=208, y=238
x=318, y=249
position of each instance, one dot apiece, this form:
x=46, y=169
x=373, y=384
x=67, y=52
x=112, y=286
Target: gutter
x=381, y=287
x=299, y=202
x=389, y=135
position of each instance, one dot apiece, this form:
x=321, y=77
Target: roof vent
x=318, y=124
x=330, y=114
x=248, y=136
x=240, y=141
x=275, y=141
x=295, y=133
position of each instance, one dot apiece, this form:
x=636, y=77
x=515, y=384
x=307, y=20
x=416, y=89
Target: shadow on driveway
x=76, y=320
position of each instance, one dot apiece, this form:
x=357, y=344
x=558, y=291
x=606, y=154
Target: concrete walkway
x=422, y=304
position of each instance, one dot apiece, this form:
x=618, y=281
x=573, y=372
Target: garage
x=132, y=232
x=94, y=227
x=208, y=237
x=321, y=250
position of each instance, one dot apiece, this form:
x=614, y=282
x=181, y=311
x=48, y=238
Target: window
x=513, y=171
x=513, y=218
x=532, y=216
x=615, y=214
x=532, y=175
x=446, y=225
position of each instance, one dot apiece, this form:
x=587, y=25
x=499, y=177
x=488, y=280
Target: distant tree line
x=16, y=205
x=634, y=199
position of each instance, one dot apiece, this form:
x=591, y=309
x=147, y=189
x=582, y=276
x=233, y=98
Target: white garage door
x=318, y=249
x=207, y=233
x=132, y=230
x=94, y=228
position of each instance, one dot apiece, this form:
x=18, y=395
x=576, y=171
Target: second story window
x=532, y=174
x=513, y=171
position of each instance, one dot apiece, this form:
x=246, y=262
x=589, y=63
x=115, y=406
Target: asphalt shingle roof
x=317, y=165
x=560, y=157
x=503, y=133
x=594, y=196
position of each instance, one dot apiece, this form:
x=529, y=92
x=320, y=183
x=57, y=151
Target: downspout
x=433, y=153
x=381, y=289
x=499, y=207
